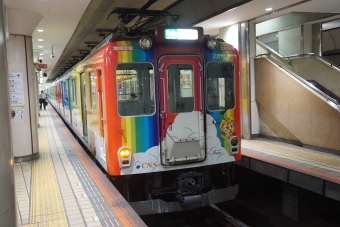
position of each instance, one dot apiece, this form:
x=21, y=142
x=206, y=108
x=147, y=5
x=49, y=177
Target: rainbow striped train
x=161, y=114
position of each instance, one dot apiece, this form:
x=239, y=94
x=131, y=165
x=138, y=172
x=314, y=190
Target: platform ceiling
x=68, y=24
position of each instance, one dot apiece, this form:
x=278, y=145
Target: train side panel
x=224, y=60
x=92, y=107
x=127, y=125
x=75, y=103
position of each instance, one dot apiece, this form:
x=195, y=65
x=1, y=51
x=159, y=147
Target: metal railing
x=305, y=82
x=297, y=56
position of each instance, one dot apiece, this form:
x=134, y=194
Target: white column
x=7, y=188
x=22, y=80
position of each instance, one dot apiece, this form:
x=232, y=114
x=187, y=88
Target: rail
x=271, y=51
x=326, y=62
x=226, y=219
x=294, y=56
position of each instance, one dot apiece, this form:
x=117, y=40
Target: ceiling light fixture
x=52, y=55
x=40, y=40
x=40, y=46
x=40, y=30
x=269, y=9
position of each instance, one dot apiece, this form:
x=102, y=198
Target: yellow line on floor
x=47, y=207
x=311, y=155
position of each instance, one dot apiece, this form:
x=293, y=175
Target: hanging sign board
x=42, y=66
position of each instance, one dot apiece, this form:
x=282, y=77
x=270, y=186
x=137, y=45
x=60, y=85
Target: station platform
x=64, y=187
x=317, y=171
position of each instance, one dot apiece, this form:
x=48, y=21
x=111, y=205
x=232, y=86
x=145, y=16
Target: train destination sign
x=180, y=34
x=172, y=35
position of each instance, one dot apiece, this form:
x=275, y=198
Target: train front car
x=172, y=119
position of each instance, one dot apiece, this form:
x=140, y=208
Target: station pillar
x=22, y=83
x=7, y=187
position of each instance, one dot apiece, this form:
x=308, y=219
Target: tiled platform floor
x=314, y=163
x=61, y=187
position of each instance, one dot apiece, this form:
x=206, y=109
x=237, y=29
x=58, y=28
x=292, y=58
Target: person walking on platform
x=42, y=99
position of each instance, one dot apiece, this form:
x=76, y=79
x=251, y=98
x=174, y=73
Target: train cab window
x=93, y=91
x=180, y=88
x=220, y=86
x=135, y=89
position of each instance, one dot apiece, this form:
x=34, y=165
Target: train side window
x=220, y=86
x=93, y=91
x=135, y=89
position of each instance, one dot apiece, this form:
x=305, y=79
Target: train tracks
x=210, y=216
x=226, y=219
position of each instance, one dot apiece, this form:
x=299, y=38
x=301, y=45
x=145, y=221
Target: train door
x=66, y=100
x=71, y=96
x=83, y=103
x=62, y=97
x=181, y=110
x=101, y=114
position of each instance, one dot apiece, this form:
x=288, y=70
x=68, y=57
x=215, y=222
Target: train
x=160, y=113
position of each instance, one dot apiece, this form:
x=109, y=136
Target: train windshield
x=135, y=89
x=220, y=86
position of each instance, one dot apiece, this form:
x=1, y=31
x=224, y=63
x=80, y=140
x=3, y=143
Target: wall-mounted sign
x=17, y=114
x=16, y=89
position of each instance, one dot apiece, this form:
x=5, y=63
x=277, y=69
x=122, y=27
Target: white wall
x=230, y=35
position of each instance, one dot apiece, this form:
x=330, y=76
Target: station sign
x=42, y=66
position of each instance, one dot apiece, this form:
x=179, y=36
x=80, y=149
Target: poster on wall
x=17, y=114
x=185, y=81
x=16, y=89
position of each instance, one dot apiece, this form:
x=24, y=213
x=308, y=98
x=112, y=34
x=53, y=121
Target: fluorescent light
x=41, y=54
x=40, y=40
x=40, y=46
x=40, y=30
x=269, y=9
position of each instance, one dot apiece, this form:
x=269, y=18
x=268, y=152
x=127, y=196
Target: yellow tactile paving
x=310, y=157
x=46, y=201
x=30, y=225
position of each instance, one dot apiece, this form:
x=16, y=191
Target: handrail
x=328, y=98
x=271, y=51
x=276, y=53
x=326, y=62
x=321, y=59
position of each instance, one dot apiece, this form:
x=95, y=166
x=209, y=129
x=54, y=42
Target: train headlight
x=234, y=145
x=124, y=156
x=212, y=43
x=234, y=141
x=145, y=43
x=125, y=152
